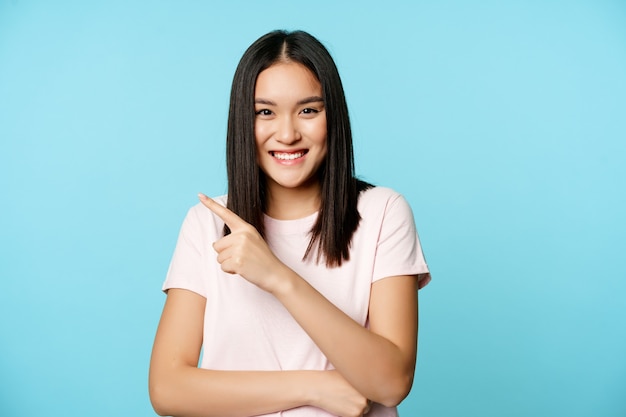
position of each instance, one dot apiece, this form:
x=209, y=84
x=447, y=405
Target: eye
x=263, y=112
x=310, y=110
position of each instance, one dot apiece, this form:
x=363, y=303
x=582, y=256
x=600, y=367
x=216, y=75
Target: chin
x=293, y=184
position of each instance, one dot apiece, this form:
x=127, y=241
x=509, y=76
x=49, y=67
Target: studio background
x=502, y=122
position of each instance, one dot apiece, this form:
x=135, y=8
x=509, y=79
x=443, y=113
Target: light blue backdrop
x=504, y=124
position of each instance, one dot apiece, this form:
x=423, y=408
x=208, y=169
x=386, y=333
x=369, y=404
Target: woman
x=302, y=291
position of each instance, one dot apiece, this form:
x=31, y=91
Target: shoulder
x=386, y=210
x=381, y=200
x=378, y=192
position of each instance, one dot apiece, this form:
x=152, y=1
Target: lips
x=288, y=156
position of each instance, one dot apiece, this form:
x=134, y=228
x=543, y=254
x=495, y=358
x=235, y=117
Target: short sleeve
x=399, y=251
x=187, y=268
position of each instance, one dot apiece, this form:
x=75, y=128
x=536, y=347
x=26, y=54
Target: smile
x=288, y=156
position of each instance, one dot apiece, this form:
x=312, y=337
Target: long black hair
x=338, y=217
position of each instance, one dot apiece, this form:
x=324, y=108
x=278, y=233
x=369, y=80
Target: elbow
x=157, y=399
x=393, y=393
x=160, y=395
x=159, y=410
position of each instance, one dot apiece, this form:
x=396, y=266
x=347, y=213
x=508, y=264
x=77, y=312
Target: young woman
x=300, y=286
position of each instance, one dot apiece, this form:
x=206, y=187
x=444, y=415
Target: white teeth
x=288, y=156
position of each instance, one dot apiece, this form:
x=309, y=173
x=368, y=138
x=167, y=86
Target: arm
x=378, y=362
x=178, y=387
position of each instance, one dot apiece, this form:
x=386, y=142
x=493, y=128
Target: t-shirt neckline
x=289, y=227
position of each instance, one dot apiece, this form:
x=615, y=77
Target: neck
x=293, y=203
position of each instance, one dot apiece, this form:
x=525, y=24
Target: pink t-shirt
x=246, y=328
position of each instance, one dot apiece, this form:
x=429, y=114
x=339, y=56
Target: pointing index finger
x=230, y=218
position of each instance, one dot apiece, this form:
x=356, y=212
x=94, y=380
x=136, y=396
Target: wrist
x=284, y=282
x=311, y=392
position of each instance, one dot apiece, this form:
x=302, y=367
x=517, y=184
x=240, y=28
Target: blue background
x=503, y=123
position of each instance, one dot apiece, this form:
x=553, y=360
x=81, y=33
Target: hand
x=244, y=251
x=335, y=395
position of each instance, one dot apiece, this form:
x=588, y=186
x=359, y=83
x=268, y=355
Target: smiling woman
x=301, y=284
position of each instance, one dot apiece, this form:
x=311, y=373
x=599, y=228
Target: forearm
x=189, y=391
x=374, y=365
x=179, y=388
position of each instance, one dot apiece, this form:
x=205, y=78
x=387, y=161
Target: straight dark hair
x=338, y=216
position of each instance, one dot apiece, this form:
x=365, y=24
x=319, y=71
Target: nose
x=287, y=131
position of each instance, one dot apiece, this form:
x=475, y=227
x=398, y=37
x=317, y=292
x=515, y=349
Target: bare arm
x=178, y=387
x=378, y=362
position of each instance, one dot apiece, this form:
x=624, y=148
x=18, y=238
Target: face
x=290, y=127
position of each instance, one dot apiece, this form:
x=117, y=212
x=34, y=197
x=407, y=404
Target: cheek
x=318, y=132
x=324, y=149
x=260, y=134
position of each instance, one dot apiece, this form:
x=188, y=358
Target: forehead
x=285, y=77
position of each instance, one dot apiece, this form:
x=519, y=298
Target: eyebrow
x=307, y=100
